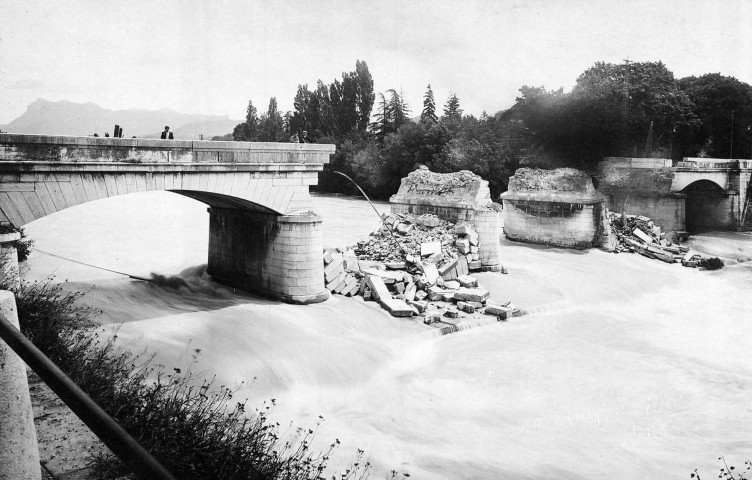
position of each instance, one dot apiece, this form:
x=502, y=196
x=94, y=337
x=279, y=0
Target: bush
x=23, y=246
x=196, y=432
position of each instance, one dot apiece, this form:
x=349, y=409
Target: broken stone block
x=491, y=268
x=431, y=273
x=335, y=281
x=395, y=265
x=435, y=258
x=463, y=229
x=328, y=257
x=333, y=269
x=434, y=293
x=471, y=294
x=642, y=235
x=474, y=266
x=432, y=317
x=351, y=262
x=473, y=248
x=353, y=290
x=419, y=305
x=399, y=287
x=463, y=267
x=463, y=245
x=472, y=237
x=403, y=228
x=447, y=268
x=420, y=295
x=451, y=313
x=502, y=312
x=429, y=248
x=475, y=256
x=410, y=292
x=447, y=296
x=440, y=282
x=378, y=288
x=397, y=308
x=475, y=305
x=452, y=285
x=465, y=307
x=504, y=270
x=339, y=287
x=467, y=281
x=518, y=312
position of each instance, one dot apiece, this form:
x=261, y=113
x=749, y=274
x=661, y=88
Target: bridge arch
x=708, y=206
x=257, y=241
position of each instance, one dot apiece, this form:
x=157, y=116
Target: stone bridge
x=263, y=237
x=694, y=194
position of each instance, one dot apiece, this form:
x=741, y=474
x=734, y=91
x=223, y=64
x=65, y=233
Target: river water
x=625, y=368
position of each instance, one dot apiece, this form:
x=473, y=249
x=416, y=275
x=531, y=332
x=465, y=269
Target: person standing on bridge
x=167, y=134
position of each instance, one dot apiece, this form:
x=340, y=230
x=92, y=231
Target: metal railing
x=130, y=452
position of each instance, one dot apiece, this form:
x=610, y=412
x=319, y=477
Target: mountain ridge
x=64, y=117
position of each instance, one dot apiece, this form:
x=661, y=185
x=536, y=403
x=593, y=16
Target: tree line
x=632, y=109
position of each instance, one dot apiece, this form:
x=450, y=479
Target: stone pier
x=277, y=256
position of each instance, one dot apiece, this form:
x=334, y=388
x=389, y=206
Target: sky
x=212, y=57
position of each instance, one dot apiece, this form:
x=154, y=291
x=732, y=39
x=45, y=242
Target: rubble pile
x=425, y=237
x=430, y=279
x=637, y=233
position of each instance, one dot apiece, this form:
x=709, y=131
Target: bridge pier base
x=276, y=256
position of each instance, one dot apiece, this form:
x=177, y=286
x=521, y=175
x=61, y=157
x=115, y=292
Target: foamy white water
x=626, y=368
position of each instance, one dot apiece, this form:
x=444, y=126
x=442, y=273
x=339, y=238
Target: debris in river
x=427, y=275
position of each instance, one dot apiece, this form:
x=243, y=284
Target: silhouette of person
x=294, y=138
x=305, y=138
x=96, y=134
x=106, y=134
x=167, y=134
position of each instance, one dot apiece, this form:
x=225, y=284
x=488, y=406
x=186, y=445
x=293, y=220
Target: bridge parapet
x=709, y=164
x=60, y=148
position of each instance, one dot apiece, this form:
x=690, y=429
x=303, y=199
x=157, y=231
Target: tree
x=251, y=122
x=365, y=95
x=452, y=110
x=271, y=124
x=716, y=99
x=392, y=114
x=429, y=108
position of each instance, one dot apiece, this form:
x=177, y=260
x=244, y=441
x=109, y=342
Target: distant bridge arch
x=259, y=241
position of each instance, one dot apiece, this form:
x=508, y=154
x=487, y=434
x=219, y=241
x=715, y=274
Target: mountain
x=69, y=118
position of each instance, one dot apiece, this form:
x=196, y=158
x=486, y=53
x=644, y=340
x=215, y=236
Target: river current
x=625, y=367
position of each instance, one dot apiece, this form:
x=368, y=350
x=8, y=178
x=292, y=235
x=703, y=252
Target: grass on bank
x=196, y=432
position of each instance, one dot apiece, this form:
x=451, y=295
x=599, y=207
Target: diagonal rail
x=105, y=427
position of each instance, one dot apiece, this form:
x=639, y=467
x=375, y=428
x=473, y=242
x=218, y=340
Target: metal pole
x=105, y=427
x=389, y=228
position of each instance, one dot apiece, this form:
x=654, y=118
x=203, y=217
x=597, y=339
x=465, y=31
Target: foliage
x=194, y=429
x=429, y=108
x=727, y=472
x=608, y=113
x=724, y=107
x=23, y=246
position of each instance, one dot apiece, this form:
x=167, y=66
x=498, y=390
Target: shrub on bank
x=196, y=432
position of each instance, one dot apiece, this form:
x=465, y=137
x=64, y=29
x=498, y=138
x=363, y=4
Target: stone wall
x=275, y=256
x=559, y=224
x=668, y=212
x=554, y=207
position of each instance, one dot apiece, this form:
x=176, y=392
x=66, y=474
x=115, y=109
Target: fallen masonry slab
x=472, y=294
x=336, y=281
x=377, y=287
x=502, y=312
x=430, y=248
x=397, y=308
x=465, y=307
x=431, y=272
x=467, y=281
x=420, y=305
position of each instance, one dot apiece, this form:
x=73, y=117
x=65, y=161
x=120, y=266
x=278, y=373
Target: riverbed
x=625, y=367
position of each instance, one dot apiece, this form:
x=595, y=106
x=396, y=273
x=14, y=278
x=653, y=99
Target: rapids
x=625, y=367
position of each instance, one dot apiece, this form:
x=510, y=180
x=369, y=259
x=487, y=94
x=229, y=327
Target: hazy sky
x=212, y=57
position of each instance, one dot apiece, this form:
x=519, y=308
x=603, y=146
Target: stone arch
x=26, y=197
x=708, y=206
